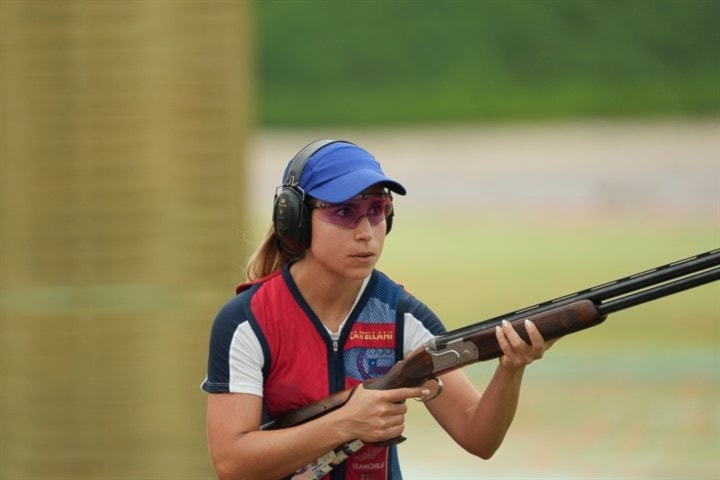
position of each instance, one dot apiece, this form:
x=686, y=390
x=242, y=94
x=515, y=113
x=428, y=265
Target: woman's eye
x=342, y=212
x=375, y=210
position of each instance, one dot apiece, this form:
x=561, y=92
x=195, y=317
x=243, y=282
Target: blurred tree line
x=418, y=61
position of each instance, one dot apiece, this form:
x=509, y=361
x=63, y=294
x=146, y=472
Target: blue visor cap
x=340, y=171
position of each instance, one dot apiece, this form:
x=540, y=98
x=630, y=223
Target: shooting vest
x=304, y=365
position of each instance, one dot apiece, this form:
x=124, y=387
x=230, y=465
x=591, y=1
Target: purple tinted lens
x=349, y=214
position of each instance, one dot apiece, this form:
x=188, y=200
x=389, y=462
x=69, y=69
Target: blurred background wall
x=124, y=131
x=140, y=142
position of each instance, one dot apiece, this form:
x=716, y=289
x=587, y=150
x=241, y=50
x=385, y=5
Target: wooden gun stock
x=310, y=412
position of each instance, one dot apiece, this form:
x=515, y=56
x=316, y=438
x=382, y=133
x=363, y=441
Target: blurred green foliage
x=402, y=62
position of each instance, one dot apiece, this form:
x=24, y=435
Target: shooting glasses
x=375, y=206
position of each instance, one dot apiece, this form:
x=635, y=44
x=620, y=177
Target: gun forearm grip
x=552, y=324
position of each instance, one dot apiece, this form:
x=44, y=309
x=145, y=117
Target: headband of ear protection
x=291, y=215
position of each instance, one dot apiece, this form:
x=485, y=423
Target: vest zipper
x=337, y=384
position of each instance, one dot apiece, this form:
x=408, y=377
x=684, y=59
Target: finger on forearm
x=534, y=334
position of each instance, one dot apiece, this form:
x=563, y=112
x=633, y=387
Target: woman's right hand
x=377, y=415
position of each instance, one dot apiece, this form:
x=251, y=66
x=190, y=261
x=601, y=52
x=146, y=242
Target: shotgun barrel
x=616, y=295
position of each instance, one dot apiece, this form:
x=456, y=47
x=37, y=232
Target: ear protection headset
x=291, y=215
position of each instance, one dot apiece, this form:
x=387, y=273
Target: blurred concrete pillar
x=123, y=130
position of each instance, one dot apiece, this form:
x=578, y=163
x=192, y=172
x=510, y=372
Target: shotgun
x=477, y=342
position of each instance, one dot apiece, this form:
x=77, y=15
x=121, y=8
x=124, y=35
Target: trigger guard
x=437, y=393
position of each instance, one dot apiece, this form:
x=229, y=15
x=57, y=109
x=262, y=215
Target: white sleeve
x=416, y=335
x=246, y=362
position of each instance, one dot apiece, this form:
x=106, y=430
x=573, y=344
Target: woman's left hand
x=516, y=352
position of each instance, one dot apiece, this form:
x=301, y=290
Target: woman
x=316, y=317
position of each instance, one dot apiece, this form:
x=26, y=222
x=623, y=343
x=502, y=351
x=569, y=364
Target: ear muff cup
x=291, y=217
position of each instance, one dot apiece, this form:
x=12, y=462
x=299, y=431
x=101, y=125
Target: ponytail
x=266, y=258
